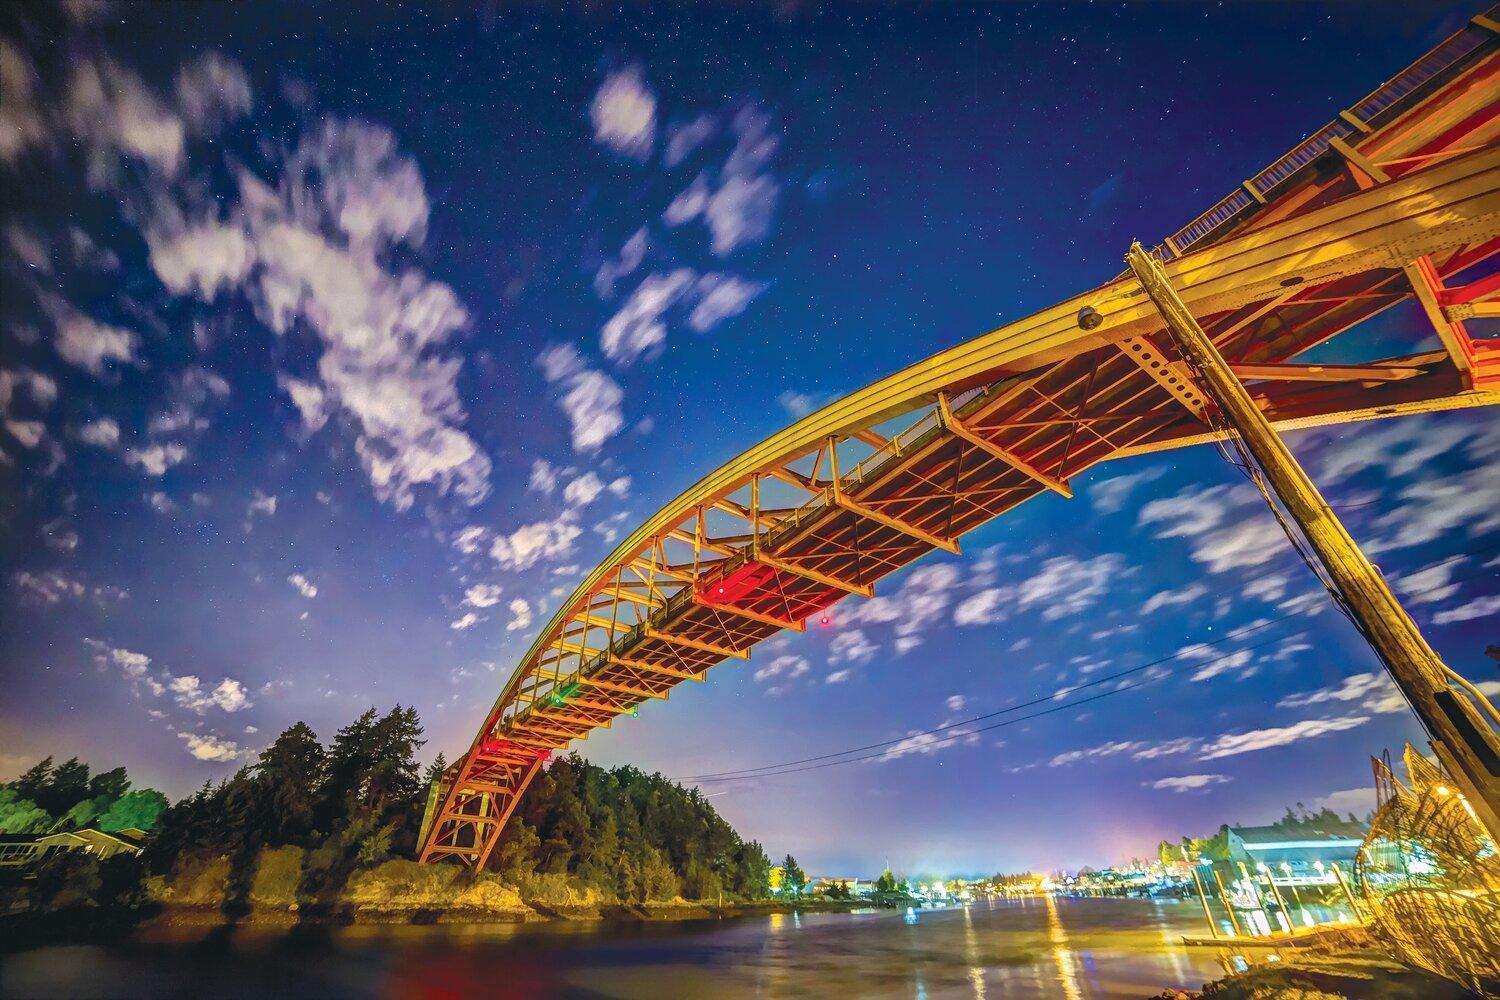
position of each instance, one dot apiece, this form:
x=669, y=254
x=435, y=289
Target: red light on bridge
x=824, y=621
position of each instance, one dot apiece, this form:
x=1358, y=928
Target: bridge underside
x=1397, y=199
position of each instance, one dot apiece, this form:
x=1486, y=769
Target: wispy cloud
x=590, y=398
x=1278, y=736
x=1188, y=782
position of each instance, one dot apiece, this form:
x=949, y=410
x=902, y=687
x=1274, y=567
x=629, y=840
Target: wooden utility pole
x=1463, y=739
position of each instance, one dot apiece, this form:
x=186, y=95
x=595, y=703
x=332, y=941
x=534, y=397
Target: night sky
x=337, y=346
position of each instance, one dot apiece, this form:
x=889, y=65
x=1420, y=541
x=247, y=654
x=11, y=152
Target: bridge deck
x=1395, y=198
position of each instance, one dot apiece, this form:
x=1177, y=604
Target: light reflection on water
x=1077, y=949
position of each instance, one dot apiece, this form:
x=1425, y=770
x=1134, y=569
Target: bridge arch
x=1392, y=200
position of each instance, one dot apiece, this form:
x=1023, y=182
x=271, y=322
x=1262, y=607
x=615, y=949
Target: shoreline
x=168, y=921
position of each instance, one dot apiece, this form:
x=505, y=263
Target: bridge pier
x=1463, y=738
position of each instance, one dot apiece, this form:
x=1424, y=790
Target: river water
x=1066, y=948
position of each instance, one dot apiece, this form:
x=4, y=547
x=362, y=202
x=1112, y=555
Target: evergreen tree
x=37, y=777
x=290, y=773
x=793, y=878
x=68, y=786
x=109, y=785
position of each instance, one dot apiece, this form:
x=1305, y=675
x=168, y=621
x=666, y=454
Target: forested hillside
x=308, y=825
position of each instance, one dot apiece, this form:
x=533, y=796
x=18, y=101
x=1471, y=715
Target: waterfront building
x=26, y=850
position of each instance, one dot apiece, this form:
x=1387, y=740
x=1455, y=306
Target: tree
x=37, y=777
x=794, y=878
x=21, y=815
x=887, y=882
x=434, y=772
x=68, y=786
x=839, y=890
x=109, y=785
x=290, y=774
x=141, y=809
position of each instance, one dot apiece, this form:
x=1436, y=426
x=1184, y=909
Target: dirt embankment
x=276, y=891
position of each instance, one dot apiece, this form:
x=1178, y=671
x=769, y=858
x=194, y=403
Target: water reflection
x=1077, y=949
x=1060, y=953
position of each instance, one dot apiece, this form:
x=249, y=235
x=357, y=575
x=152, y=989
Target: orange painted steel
x=1398, y=197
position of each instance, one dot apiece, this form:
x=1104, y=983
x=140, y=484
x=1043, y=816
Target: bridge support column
x=465, y=819
x=1463, y=739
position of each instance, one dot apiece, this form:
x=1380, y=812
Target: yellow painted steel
x=1442, y=207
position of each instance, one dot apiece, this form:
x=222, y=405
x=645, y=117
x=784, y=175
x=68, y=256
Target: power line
x=827, y=760
x=1238, y=633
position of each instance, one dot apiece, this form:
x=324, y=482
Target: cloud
x=800, y=404
x=310, y=253
x=520, y=615
x=1068, y=586
x=1429, y=584
x=1231, y=745
x=201, y=260
x=1174, y=598
x=983, y=608
x=28, y=432
x=1430, y=509
x=47, y=588
x=482, y=595
x=638, y=327
x=84, y=342
x=156, y=459
x=132, y=664
x=303, y=585
x=527, y=545
x=739, y=208
x=22, y=127
x=631, y=255
x=684, y=137
x=544, y=476
x=1135, y=749
x=852, y=647
x=918, y=606
x=1219, y=663
x=211, y=748
x=1188, y=782
x=1219, y=522
x=212, y=90
x=590, y=398
x=623, y=113
x=470, y=539
x=785, y=668
x=1373, y=691
x=1359, y=801
x=1108, y=496
x=467, y=621
x=721, y=297
x=260, y=504
x=586, y=488
x=1480, y=607
x=115, y=115
x=188, y=691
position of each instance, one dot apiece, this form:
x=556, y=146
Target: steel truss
x=1397, y=199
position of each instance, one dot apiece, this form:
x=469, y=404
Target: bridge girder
x=1297, y=255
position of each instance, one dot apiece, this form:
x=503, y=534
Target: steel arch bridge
x=1396, y=198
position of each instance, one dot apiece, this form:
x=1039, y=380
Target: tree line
x=50, y=798
x=358, y=801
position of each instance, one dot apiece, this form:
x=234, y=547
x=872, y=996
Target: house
x=1294, y=858
x=24, y=850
